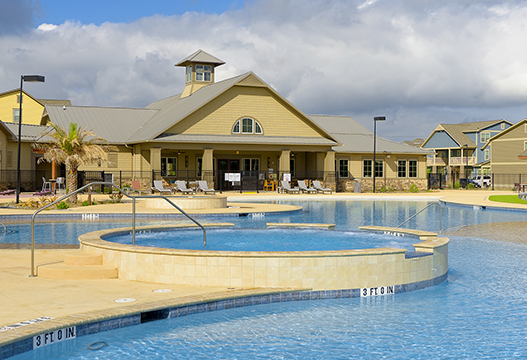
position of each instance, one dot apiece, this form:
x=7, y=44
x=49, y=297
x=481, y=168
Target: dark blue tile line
x=484, y=207
x=416, y=254
x=25, y=345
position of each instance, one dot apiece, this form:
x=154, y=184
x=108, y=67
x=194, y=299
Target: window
x=168, y=166
x=484, y=137
x=189, y=74
x=487, y=154
x=502, y=126
x=401, y=168
x=379, y=167
x=203, y=72
x=250, y=164
x=525, y=145
x=343, y=168
x=248, y=126
x=16, y=115
x=412, y=168
x=367, y=169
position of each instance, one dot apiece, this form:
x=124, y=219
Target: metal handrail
x=133, y=215
x=5, y=227
x=426, y=207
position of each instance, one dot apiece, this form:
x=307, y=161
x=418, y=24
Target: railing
x=463, y=161
x=426, y=207
x=133, y=215
x=5, y=228
x=435, y=161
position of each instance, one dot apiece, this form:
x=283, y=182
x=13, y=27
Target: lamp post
x=375, y=119
x=466, y=166
x=23, y=78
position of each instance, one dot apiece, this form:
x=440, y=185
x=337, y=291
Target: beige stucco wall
x=219, y=115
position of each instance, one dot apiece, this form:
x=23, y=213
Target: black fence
x=30, y=180
x=513, y=182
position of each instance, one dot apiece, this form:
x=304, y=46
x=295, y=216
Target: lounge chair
x=182, y=186
x=158, y=186
x=288, y=189
x=202, y=186
x=8, y=192
x=136, y=186
x=318, y=187
x=303, y=187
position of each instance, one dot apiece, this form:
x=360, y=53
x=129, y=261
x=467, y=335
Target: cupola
x=199, y=71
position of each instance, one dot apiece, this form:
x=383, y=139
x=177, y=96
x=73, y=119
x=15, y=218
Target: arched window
x=247, y=126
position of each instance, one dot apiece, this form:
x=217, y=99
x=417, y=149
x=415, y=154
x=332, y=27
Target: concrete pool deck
x=24, y=298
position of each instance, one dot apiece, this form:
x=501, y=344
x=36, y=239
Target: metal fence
x=498, y=181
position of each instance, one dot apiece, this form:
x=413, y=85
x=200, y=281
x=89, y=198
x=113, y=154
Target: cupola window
x=189, y=74
x=248, y=126
x=203, y=72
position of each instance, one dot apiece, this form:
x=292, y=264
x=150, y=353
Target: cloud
x=16, y=16
x=418, y=62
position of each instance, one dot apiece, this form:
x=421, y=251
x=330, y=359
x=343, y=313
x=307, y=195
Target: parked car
x=482, y=181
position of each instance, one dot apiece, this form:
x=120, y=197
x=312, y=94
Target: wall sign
x=376, y=291
x=53, y=337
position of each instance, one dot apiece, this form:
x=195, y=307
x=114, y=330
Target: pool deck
x=24, y=298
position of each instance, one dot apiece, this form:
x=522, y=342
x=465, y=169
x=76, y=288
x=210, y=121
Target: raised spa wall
x=316, y=270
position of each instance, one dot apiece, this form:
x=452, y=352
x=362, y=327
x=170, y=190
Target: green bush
x=471, y=186
x=414, y=188
x=85, y=203
x=391, y=189
x=63, y=205
x=456, y=185
x=383, y=189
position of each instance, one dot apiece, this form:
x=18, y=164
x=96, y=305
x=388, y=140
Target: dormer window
x=247, y=126
x=203, y=72
x=484, y=137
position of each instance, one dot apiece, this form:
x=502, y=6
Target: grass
x=510, y=199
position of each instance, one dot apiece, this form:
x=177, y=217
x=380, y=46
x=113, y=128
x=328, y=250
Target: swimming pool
x=479, y=312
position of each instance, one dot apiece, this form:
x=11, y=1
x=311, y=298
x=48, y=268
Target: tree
x=74, y=148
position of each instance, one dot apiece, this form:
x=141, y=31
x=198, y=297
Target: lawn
x=510, y=199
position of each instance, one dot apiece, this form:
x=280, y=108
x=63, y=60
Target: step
x=63, y=271
x=80, y=258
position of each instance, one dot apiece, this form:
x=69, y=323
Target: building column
x=285, y=163
x=329, y=167
x=155, y=159
x=137, y=163
x=207, y=172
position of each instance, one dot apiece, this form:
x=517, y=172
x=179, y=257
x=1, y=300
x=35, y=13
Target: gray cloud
x=16, y=16
x=418, y=62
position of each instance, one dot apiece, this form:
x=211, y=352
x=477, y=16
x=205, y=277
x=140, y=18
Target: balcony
x=431, y=160
x=454, y=161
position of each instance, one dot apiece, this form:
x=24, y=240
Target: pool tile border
x=139, y=314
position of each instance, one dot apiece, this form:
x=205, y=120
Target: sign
x=287, y=177
x=54, y=337
x=376, y=291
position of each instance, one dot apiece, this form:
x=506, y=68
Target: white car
x=482, y=181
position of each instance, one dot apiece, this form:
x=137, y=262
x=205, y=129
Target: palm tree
x=74, y=148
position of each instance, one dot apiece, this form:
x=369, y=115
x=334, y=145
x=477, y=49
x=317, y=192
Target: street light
x=466, y=166
x=23, y=78
x=375, y=119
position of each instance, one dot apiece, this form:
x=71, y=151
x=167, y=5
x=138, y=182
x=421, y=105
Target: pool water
x=479, y=312
x=265, y=240
x=347, y=215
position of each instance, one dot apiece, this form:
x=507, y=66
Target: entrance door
x=227, y=166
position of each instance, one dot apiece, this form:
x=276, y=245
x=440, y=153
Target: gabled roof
x=355, y=138
x=200, y=56
x=40, y=101
x=457, y=131
x=29, y=132
x=116, y=125
x=515, y=126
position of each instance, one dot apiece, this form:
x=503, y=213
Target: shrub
x=85, y=203
x=116, y=198
x=391, y=189
x=471, y=186
x=414, y=188
x=383, y=189
x=456, y=185
x=63, y=205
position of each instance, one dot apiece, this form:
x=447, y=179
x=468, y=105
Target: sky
x=417, y=62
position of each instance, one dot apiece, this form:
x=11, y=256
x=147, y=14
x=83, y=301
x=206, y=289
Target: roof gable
x=200, y=56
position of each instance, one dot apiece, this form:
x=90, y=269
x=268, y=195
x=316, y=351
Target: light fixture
x=375, y=119
x=23, y=78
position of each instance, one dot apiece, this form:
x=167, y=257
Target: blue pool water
x=347, y=215
x=265, y=240
x=479, y=312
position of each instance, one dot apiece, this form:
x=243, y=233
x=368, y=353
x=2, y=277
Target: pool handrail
x=5, y=227
x=426, y=207
x=133, y=197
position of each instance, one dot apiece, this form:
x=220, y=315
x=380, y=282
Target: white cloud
x=418, y=62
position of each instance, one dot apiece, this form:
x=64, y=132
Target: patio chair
x=202, y=186
x=182, y=186
x=60, y=184
x=288, y=189
x=136, y=186
x=158, y=186
x=8, y=192
x=318, y=187
x=46, y=188
x=303, y=187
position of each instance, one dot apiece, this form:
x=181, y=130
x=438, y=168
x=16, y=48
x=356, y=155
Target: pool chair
x=136, y=187
x=8, y=192
x=158, y=186
x=202, y=186
x=318, y=187
x=182, y=186
x=60, y=185
x=303, y=187
x=288, y=189
x=46, y=188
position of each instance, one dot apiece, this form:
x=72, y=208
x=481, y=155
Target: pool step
x=78, y=266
